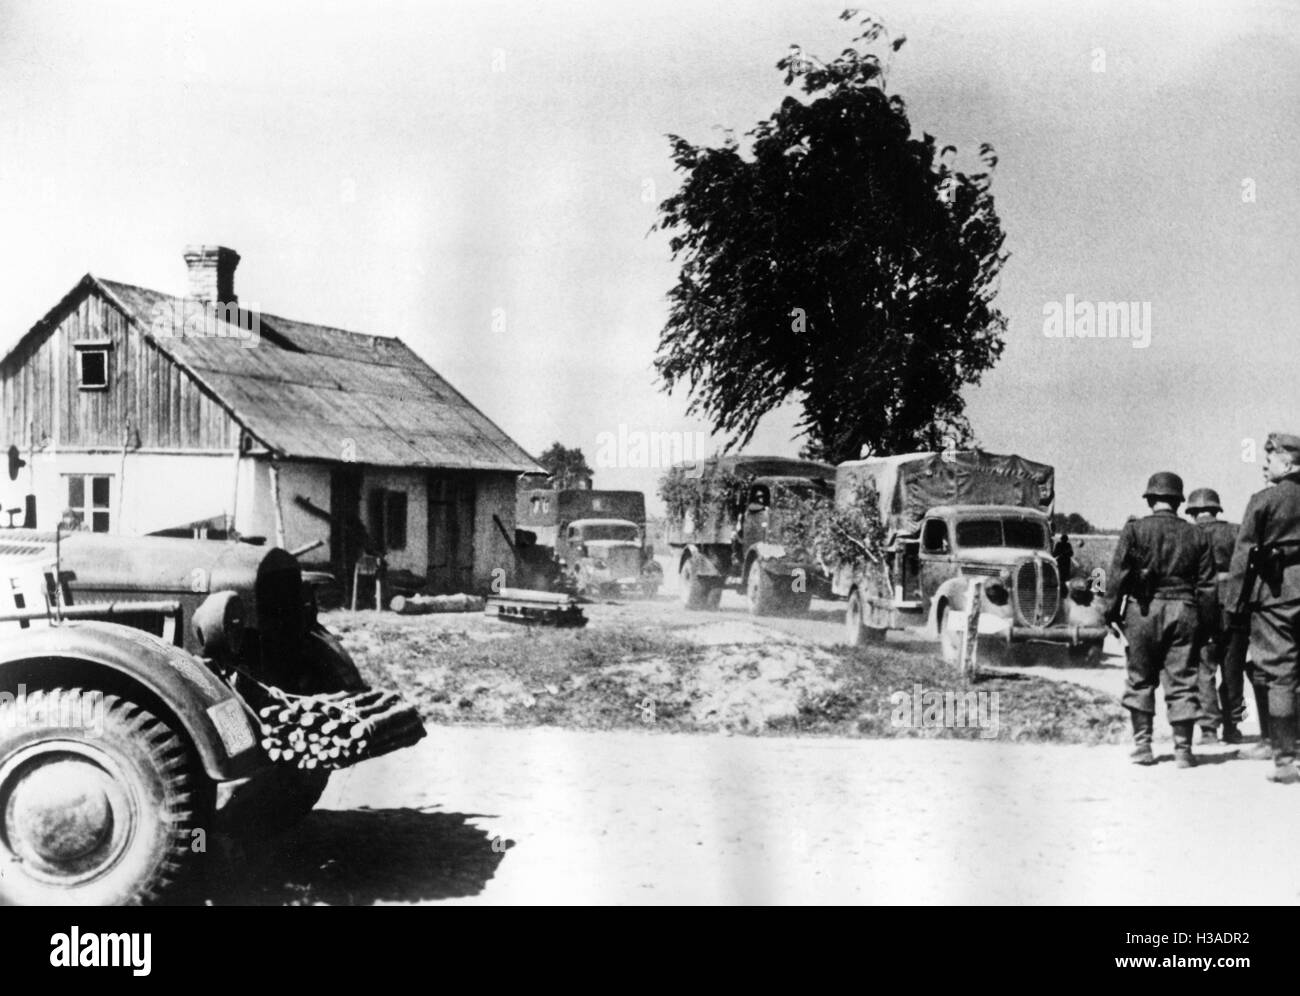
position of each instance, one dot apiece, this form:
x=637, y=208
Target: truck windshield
x=598, y=534
x=793, y=495
x=1020, y=533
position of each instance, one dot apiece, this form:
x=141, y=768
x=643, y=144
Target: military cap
x=1164, y=484
x=1204, y=499
x=1283, y=441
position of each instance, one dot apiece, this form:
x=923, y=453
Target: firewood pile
x=336, y=729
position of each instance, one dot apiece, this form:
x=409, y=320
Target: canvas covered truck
x=596, y=539
x=951, y=520
x=153, y=691
x=736, y=522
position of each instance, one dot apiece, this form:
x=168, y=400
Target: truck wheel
x=278, y=801
x=761, y=591
x=797, y=603
x=331, y=666
x=1085, y=655
x=856, y=632
x=100, y=816
x=697, y=592
x=714, y=598
x=949, y=638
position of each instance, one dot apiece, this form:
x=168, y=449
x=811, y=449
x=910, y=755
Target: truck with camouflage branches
x=740, y=522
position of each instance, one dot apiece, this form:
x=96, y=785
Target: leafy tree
x=841, y=261
x=567, y=467
x=1070, y=524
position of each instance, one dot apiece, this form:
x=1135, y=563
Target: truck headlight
x=996, y=592
x=219, y=624
x=1080, y=591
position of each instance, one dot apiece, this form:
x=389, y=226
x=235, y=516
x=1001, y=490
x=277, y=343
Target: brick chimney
x=212, y=273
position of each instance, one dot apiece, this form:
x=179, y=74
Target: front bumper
x=1002, y=628
x=1072, y=636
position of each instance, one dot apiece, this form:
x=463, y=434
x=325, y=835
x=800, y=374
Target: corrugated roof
x=305, y=390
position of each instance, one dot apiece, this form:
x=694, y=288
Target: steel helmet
x=1164, y=484
x=1204, y=500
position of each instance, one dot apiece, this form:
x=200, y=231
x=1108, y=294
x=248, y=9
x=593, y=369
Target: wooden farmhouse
x=127, y=410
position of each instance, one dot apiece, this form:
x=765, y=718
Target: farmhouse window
x=88, y=500
x=388, y=518
x=92, y=366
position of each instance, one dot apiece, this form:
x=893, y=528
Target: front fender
x=952, y=596
x=213, y=717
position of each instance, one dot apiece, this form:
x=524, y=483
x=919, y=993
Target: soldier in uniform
x=1164, y=567
x=1272, y=521
x=1218, y=646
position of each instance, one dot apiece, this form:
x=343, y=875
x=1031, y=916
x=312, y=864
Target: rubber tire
x=949, y=640
x=331, y=666
x=761, y=591
x=284, y=802
x=798, y=603
x=164, y=797
x=714, y=598
x=1085, y=655
x=697, y=593
x=856, y=632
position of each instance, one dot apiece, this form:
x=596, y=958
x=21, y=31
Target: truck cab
x=1006, y=549
x=580, y=539
x=604, y=556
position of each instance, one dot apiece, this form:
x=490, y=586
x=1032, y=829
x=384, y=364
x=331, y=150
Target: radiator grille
x=1027, y=593
x=1038, y=593
x=1050, y=599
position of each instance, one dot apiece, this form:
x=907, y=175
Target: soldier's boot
x=1231, y=735
x=1261, y=709
x=1282, y=732
x=1263, y=750
x=1183, y=757
x=1143, y=724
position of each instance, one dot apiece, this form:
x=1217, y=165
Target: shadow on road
x=357, y=857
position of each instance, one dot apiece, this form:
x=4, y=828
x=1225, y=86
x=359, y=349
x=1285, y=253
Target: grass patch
x=633, y=676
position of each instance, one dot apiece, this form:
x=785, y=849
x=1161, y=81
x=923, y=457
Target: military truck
x=596, y=538
x=190, y=656
x=950, y=519
x=731, y=524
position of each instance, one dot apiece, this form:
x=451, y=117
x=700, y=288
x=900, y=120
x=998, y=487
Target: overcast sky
x=480, y=180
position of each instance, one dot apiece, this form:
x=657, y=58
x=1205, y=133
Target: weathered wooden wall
x=39, y=389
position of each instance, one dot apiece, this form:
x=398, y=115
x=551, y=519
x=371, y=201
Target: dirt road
x=491, y=815
x=500, y=816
